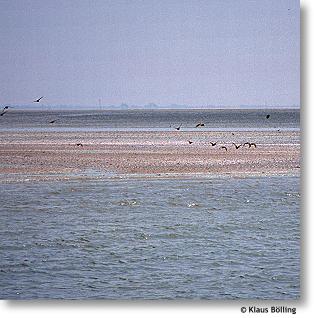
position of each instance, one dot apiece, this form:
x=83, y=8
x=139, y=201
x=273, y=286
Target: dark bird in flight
x=236, y=146
x=200, y=125
x=38, y=100
x=79, y=144
x=250, y=144
x=178, y=128
x=267, y=116
x=190, y=142
x=4, y=110
x=51, y=122
x=213, y=143
x=223, y=147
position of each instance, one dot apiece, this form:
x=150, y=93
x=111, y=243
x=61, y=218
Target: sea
x=156, y=120
x=151, y=239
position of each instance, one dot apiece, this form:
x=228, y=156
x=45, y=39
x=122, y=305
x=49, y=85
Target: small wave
x=213, y=209
x=132, y=202
x=193, y=205
x=143, y=236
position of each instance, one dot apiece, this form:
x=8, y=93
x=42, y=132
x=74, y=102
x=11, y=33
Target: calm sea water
x=221, y=238
x=151, y=119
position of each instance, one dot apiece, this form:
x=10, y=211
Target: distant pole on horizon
x=99, y=103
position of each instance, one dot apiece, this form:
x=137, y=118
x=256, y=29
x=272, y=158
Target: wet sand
x=55, y=155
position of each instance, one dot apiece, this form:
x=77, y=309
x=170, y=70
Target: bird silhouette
x=38, y=100
x=190, y=142
x=178, y=128
x=224, y=147
x=53, y=121
x=250, y=144
x=79, y=144
x=213, y=143
x=267, y=116
x=4, y=110
x=200, y=125
x=237, y=146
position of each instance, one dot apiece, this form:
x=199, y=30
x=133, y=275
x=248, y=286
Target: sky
x=196, y=52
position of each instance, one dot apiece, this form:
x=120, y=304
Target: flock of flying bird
x=249, y=144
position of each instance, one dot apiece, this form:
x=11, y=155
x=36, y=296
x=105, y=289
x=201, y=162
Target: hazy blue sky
x=167, y=51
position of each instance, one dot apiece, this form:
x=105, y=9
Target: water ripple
x=151, y=239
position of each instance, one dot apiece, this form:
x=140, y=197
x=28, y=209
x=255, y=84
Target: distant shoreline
x=69, y=108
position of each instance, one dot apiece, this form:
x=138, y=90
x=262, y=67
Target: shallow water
x=151, y=120
x=219, y=238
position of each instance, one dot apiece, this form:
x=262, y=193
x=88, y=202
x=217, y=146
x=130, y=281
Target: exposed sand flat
x=40, y=154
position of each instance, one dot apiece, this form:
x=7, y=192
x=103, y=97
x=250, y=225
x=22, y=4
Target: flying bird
x=200, y=125
x=223, y=147
x=178, y=128
x=4, y=110
x=250, y=144
x=237, y=146
x=79, y=144
x=267, y=116
x=51, y=122
x=38, y=100
x=190, y=142
x=213, y=143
